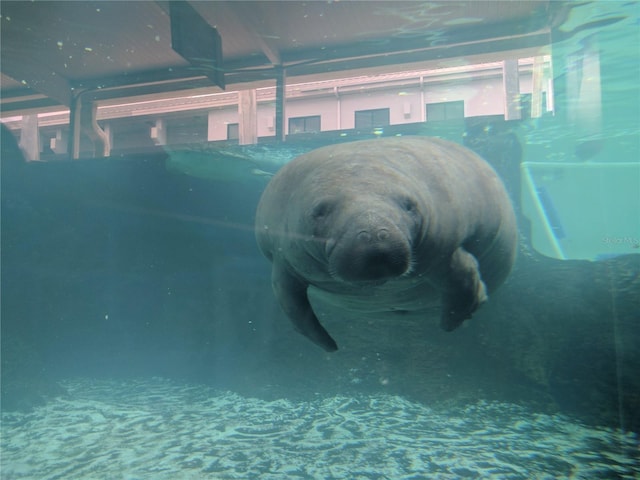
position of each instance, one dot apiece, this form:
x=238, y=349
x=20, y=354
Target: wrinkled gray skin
x=386, y=225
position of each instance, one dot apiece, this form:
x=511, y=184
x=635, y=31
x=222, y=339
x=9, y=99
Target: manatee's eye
x=319, y=214
x=409, y=204
x=322, y=209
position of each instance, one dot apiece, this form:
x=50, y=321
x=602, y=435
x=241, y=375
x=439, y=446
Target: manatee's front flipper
x=292, y=295
x=464, y=290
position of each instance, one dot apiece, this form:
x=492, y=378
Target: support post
x=82, y=120
x=281, y=94
x=248, y=117
x=30, y=137
x=511, y=89
x=74, y=127
x=90, y=127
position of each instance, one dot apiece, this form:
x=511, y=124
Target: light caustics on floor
x=158, y=429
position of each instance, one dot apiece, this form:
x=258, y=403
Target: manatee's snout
x=374, y=254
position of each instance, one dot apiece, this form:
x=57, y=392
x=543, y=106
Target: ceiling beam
x=249, y=26
x=34, y=74
x=195, y=40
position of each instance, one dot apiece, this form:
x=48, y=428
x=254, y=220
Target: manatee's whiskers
x=411, y=267
x=332, y=272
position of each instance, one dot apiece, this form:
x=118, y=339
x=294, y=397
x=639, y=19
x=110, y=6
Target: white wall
x=481, y=96
x=326, y=107
x=218, y=121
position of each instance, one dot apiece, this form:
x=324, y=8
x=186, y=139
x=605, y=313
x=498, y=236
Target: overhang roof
x=51, y=50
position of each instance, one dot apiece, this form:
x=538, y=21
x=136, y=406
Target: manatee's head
x=366, y=238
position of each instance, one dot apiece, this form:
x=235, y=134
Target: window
x=304, y=124
x=185, y=130
x=368, y=119
x=233, y=131
x=445, y=111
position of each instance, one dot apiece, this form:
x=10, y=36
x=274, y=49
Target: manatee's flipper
x=464, y=291
x=292, y=295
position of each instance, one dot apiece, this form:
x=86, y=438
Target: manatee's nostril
x=380, y=236
x=364, y=237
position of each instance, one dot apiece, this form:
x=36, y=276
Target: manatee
x=386, y=226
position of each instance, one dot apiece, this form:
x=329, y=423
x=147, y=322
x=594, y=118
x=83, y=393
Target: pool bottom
x=159, y=429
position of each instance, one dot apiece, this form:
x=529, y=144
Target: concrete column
x=83, y=122
x=511, y=89
x=30, y=137
x=90, y=127
x=281, y=100
x=336, y=92
x=74, y=127
x=248, y=117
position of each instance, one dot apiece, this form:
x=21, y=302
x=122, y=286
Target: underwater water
x=141, y=338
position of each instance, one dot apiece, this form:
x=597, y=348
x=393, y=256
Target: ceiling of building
x=53, y=50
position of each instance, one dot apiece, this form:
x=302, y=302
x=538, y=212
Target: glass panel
x=174, y=285
x=369, y=119
x=232, y=131
x=309, y=124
